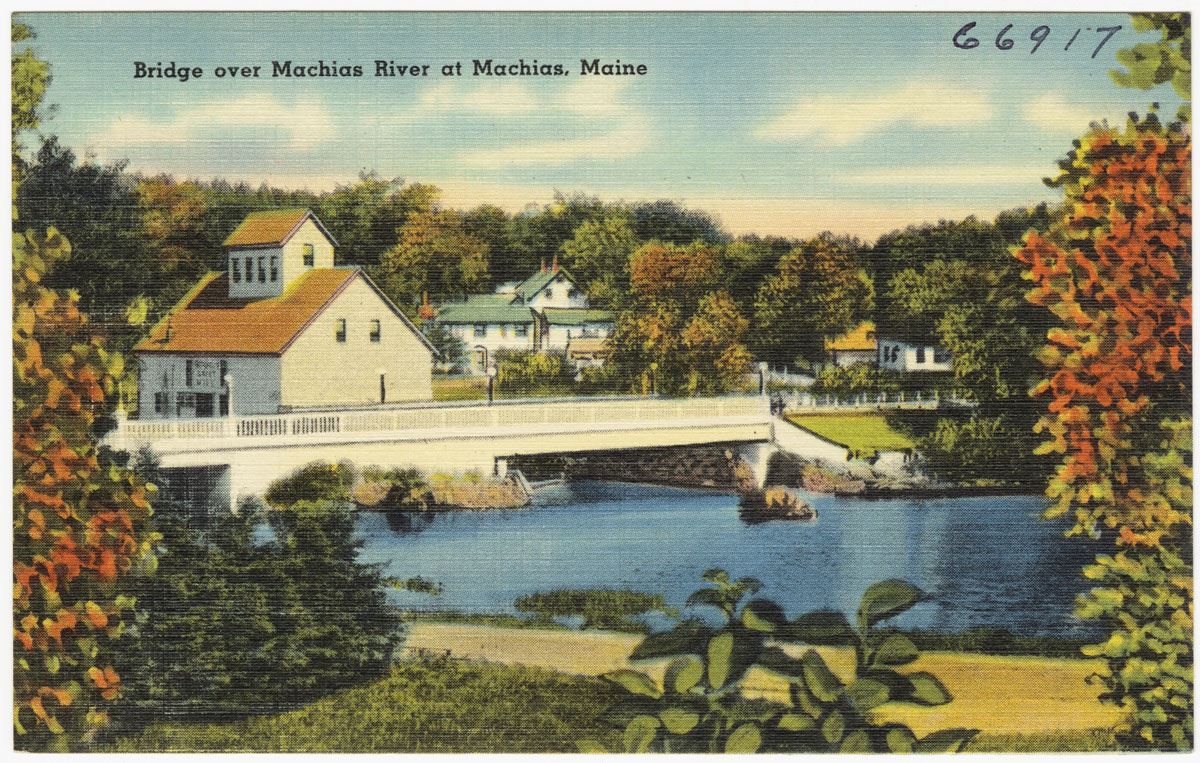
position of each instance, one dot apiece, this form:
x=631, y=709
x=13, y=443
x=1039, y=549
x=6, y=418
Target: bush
x=981, y=450
x=600, y=608
x=698, y=707
x=256, y=611
x=538, y=374
x=319, y=480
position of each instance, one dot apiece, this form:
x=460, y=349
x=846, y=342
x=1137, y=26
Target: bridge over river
x=226, y=459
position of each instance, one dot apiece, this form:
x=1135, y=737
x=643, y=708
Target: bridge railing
x=871, y=400
x=644, y=411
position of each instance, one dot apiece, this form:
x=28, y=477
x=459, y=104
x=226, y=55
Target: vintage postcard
x=602, y=382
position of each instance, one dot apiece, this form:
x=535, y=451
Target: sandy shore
x=1003, y=695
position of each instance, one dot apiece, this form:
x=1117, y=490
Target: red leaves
x=106, y=680
x=1115, y=275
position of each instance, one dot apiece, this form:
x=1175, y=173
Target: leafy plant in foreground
x=700, y=706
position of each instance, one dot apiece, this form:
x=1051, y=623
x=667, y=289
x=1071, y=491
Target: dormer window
x=308, y=255
x=262, y=269
x=235, y=272
x=274, y=268
x=249, y=270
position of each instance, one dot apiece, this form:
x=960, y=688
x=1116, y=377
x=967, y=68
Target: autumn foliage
x=78, y=522
x=1117, y=276
x=1116, y=272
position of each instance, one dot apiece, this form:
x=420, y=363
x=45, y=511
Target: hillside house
x=280, y=329
x=547, y=311
x=895, y=355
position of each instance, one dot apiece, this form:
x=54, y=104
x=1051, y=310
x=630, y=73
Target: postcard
x=602, y=382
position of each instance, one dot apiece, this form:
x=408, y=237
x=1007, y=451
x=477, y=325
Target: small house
x=895, y=355
x=854, y=347
x=282, y=328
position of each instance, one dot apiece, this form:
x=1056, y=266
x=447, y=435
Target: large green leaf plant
x=700, y=707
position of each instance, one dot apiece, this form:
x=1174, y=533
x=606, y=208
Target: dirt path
x=1002, y=695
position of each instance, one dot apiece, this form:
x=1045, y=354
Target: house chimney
x=543, y=264
x=425, y=312
x=556, y=263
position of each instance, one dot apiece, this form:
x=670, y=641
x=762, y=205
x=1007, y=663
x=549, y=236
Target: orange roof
x=861, y=338
x=272, y=228
x=207, y=320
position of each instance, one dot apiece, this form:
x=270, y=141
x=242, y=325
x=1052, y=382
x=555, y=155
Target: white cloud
x=630, y=138
x=953, y=175
x=853, y=115
x=1053, y=112
x=305, y=124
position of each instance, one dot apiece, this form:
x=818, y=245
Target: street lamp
x=491, y=375
x=762, y=378
x=229, y=393
x=653, y=370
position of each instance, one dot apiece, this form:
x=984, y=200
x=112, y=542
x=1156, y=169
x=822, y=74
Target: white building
x=547, y=311
x=895, y=355
x=854, y=347
x=286, y=327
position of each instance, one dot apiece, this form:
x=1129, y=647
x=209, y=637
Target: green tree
x=598, y=256
x=366, y=217
x=437, y=255
x=1149, y=65
x=30, y=78
x=818, y=290
x=715, y=342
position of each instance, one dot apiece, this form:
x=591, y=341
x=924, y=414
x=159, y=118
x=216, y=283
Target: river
x=984, y=561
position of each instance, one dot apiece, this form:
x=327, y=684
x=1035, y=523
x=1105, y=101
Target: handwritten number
x=1111, y=31
x=1077, y=31
x=1040, y=34
x=1004, y=44
x=968, y=43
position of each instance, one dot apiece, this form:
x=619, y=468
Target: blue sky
x=777, y=123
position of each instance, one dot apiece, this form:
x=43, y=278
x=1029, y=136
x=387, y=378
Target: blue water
x=984, y=561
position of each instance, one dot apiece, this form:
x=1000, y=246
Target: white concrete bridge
x=229, y=458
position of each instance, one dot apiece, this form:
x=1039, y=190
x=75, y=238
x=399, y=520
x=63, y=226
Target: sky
x=784, y=124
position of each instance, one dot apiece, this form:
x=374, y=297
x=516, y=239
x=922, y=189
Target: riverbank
x=998, y=695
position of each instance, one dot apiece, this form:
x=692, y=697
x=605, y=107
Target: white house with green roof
x=547, y=311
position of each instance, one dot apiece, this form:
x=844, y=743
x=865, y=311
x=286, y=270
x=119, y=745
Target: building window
x=204, y=406
x=340, y=330
x=235, y=270
x=262, y=269
x=224, y=372
x=549, y=293
x=521, y=330
x=184, y=402
x=274, y=268
x=940, y=355
x=224, y=404
x=308, y=255
x=572, y=293
x=161, y=402
x=503, y=330
x=249, y=270
x=187, y=372
x=376, y=331
x=480, y=329
x=920, y=354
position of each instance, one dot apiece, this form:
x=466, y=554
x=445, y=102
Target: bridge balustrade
x=472, y=417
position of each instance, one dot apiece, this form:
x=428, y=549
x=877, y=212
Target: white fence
x=644, y=411
x=873, y=400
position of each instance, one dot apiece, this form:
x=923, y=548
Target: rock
x=776, y=503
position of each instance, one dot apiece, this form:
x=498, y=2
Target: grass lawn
x=856, y=431
x=423, y=706
x=447, y=705
x=450, y=388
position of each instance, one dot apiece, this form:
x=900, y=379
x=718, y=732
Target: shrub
x=600, y=608
x=699, y=707
x=319, y=480
x=526, y=373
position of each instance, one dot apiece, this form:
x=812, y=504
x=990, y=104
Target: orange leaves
x=106, y=680
x=1115, y=275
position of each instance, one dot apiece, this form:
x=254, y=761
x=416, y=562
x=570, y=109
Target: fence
x=873, y=400
x=645, y=411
